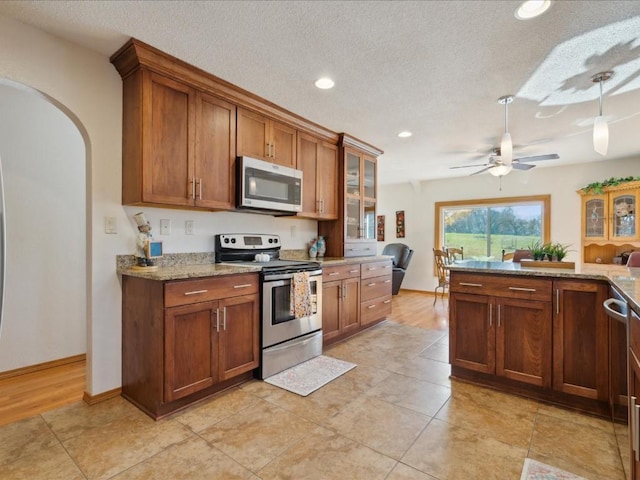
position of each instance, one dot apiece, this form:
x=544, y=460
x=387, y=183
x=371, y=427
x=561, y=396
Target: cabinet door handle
x=491, y=314
x=196, y=292
x=522, y=289
x=632, y=425
x=193, y=187
x=636, y=434
x=334, y=273
x=268, y=155
x=353, y=271
x=217, y=319
x=322, y=205
x=465, y=284
x=274, y=150
x=387, y=301
x=371, y=306
x=370, y=284
x=557, y=301
x=200, y=188
x=371, y=268
x=245, y=285
x=224, y=318
x=499, y=314
x=344, y=291
x=387, y=281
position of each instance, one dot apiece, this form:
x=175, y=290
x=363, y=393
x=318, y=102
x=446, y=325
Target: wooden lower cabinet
x=543, y=337
x=501, y=336
x=340, y=307
x=187, y=339
x=354, y=297
x=580, y=339
x=634, y=395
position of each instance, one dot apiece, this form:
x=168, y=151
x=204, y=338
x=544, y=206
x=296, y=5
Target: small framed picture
x=400, y=224
x=380, y=228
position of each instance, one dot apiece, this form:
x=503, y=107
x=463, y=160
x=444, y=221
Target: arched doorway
x=44, y=166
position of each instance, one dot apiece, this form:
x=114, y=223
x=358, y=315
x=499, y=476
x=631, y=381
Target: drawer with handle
x=376, y=269
x=375, y=309
x=510, y=286
x=371, y=288
x=210, y=288
x=338, y=272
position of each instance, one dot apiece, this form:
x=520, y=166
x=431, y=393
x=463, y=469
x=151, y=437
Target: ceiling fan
x=498, y=167
x=501, y=160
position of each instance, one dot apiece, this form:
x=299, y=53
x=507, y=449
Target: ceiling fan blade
x=470, y=166
x=537, y=158
x=482, y=171
x=521, y=166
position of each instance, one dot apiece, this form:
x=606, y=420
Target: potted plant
x=537, y=250
x=560, y=251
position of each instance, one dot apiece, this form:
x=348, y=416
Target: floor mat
x=534, y=470
x=309, y=376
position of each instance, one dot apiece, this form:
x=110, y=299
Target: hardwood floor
x=29, y=394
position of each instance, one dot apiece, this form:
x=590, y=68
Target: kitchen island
x=541, y=332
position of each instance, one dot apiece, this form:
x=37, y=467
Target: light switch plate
x=165, y=227
x=189, y=227
x=110, y=225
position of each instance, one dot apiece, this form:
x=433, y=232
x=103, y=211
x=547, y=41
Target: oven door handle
x=289, y=276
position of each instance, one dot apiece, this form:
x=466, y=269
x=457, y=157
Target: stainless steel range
x=287, y=339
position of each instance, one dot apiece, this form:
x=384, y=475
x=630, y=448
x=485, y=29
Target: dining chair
x=441, y=260
x=454, y=254
x=522, y=254
x=507, y=256
x=634, y=260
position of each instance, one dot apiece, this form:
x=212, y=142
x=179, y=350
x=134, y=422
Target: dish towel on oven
x=300, y=295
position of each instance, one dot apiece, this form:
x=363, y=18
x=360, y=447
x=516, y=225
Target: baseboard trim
x=43, y=366
x=101, y=397
x=423, y=292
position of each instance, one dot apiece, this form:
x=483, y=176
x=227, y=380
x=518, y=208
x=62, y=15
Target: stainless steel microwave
x=267, y=186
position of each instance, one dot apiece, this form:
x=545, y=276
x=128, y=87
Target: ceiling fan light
x=500, y=170
x=600, y=135
x=506, y=148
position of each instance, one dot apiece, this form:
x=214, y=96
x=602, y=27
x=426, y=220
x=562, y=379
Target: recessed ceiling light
x=324, y=83
x=405, y=134
x=532, y=8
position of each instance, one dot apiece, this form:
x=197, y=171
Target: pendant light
x=600, y=127
x=506, y=147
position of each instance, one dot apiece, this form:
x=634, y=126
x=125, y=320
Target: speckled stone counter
x=178, y=266
x=625, y=280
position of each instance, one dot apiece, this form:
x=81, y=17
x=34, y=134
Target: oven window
x=281, y=302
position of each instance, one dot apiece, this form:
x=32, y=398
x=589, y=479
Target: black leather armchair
x=401, y=257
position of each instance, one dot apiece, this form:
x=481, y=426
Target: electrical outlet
x=110, y=225
x=293, y=231
x=165, y=227
x=189, y=227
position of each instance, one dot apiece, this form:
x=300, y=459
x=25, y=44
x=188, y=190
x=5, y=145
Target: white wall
x=418, y=202
x=43, y=160
x=85, y=86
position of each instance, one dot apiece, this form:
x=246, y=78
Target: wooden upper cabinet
x=216, y=152
x=318, y=161
x=168, y=137
x=179, y=145
x=261, y=137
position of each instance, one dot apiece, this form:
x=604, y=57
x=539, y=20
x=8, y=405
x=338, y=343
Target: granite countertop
x=196, y=265
x=625, y=280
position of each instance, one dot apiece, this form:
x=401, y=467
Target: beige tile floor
x=397, y=416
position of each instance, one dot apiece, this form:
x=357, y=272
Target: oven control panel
x=247, y=241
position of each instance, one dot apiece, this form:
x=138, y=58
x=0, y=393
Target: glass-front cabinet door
x=595, y=217
x=360, y=204
x=624, y=225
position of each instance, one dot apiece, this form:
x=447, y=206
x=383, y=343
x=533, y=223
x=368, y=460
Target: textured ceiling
x=435, y=68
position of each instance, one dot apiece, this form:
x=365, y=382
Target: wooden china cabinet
x=354, y=233
x=610, y=222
